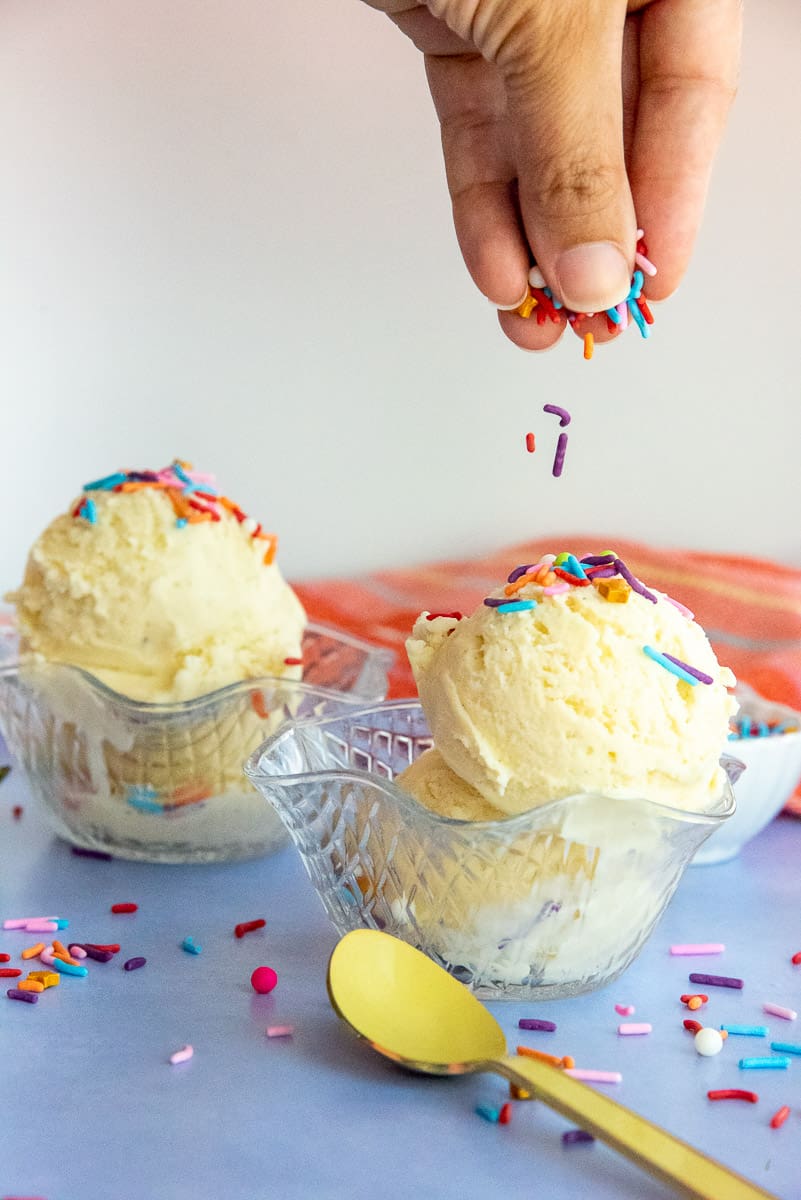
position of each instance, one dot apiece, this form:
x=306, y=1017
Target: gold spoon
x=413, y=1012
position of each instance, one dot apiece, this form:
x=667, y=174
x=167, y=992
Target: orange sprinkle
x=694, y=1002
x=589, y=345
x=527, y=1052
x=179, y=503
x=189, y=793
x=511, y=588
x=67, y=958
x=269, y=556
x=258, y=705
x=568, y=1062
x=32, y=951
x=30, y=985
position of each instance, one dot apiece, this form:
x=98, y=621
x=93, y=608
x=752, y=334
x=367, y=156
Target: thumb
x=563, y=74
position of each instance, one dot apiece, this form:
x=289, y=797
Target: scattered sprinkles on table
x=743, y=727
x=193, y=496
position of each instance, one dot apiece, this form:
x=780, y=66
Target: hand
x=565, y=123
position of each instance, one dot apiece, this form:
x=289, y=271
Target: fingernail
x=592, y=277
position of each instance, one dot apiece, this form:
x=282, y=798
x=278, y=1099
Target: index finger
x=689, y=61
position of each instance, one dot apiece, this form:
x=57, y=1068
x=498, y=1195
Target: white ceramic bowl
x=773, y=771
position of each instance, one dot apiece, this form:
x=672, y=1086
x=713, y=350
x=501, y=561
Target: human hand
x=561, y=120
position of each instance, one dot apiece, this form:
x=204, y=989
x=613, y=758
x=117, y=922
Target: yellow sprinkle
x=615, y=590
x=527, y=307
x=47, y=978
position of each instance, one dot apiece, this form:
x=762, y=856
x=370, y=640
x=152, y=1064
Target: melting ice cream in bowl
x=526, y=822
x=154, y=643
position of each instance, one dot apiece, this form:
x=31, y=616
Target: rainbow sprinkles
x=193, y=496
x=558, y=574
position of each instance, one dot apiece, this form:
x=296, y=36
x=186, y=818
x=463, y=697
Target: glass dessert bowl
x=164, y=782
x=553, y=902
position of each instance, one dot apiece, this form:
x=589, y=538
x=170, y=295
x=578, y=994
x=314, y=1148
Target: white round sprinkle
x=536, y=278
x=708, y=1042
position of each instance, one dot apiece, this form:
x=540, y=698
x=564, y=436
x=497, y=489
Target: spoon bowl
x=416, y=1014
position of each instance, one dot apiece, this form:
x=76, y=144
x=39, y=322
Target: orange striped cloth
x=750, y=607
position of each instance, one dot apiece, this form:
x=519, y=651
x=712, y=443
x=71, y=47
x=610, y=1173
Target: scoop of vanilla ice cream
x=562, y=698
x=157, y=608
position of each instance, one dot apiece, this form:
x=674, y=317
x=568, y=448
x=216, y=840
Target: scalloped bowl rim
x=180, y=707
x=256, y=775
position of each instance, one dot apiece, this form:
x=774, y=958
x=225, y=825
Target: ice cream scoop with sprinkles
x=574, y=676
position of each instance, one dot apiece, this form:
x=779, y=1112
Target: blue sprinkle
x=747, y=1030
x=180, y=522
x=106, y=484
x=638, y=318
x=516, y=606
x=181, y=473
x=613, y=315
x=487, y=1112
x=188, y=944
x=88, y=510
x=669, y=666
x=769, y=1064
x=62, y=923
x=785, y=1047
x=574, y=567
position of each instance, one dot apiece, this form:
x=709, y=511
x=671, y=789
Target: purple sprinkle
x=493, y=602
x=535, y=1023
x=134, y=963
x=97, y=955
x=696, y=674
x=518, y=571
x=632, y=582
x=28, y=997
x=557, y=411
x=85, y=852
x=596, y=560
x=716, y=980
x=602, y=573
x=559, y=458
x=574, y=1136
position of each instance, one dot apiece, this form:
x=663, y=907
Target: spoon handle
x=688, y=1171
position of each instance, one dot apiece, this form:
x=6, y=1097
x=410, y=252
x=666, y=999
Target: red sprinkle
x=258, y=705
x=693, y=1026
x=796, y=959
x=692, y=995
x=5, y=958
x=112, y=947
x=124, y=908
x=531, y=443
x=780, y=1116
x=456, y=616
x=568, y=578
x=293, y=662
x=9, y=973
x=733, y=1094
x=505, y=1114
x=248, y=927
x=16, y=812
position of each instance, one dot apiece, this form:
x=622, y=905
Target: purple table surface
x=93, y=1109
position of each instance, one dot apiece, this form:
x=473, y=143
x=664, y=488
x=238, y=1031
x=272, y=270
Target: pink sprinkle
x=623, y=313
x=624, y=1010
x=556, y=589
x=180, y=1056
x=645, y=264
x=280, y=1030
x=776, y=1010
x=77, y=951
x=47, y=958
x=698, y=948
x=628, y=1029
x=594, y=1076
x=685, y=612
x=41, y=926
x=25, y=922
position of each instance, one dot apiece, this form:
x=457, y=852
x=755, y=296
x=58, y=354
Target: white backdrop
x=225, y=236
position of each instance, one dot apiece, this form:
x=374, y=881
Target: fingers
x=689, y=60
x=562, y=68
